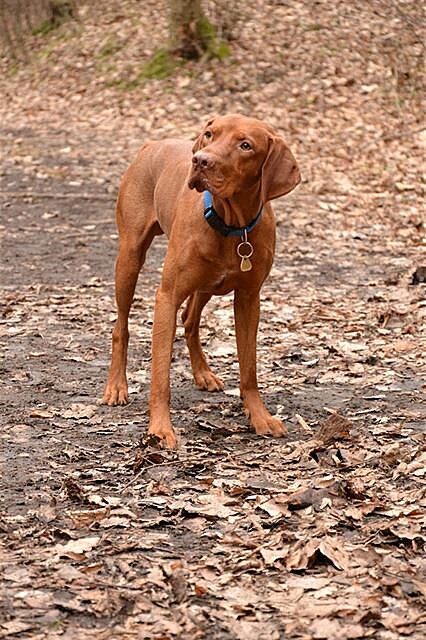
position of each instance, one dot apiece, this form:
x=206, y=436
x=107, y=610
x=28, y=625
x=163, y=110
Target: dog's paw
x=165, y=434
x=207, y=381
x=115, y=394
x=265, y=424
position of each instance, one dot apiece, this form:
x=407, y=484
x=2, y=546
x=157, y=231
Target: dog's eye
x=208, y=135
x=246, y=146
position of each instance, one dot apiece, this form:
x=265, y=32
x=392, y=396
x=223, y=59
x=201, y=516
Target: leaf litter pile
x=319, y=535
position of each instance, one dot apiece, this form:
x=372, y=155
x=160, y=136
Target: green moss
x=207, y=31
x=109, y=47
x=56, y=624
x=160, y=66
x=314, y=27
x=61, y=11
x=123, y=85
x=44, y=28
x=214, y=47
x=222, y=51
x=163, y=64
x=47, y=51
x=12, y=69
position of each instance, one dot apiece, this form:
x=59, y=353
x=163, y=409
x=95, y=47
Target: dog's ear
x=199, y=141
x=280, y=173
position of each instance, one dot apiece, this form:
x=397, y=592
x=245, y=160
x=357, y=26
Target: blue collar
x=216, y=222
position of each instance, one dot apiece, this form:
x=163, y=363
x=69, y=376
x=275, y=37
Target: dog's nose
x=202, y=160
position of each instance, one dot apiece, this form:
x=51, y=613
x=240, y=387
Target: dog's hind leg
x=204, y=378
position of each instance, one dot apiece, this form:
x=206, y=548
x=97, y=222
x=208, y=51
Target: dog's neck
x=241, y=208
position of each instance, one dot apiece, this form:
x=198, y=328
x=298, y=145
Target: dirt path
x=232, y=536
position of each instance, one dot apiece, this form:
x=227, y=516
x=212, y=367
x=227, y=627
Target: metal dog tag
x=245, y=264
x=245, y=251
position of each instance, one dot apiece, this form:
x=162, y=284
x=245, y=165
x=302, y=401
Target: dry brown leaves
x=318, y=536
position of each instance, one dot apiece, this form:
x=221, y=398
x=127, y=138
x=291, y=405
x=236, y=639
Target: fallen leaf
x=308, y=553
x=80, y=411
x=335, y=427
x=76, y=548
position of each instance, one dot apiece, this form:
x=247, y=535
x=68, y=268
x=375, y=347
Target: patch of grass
x=314, y=27
x=44, y=28
x=215, y=48
x=123, y=85
x=223, y=51
x=52, y=43
x=160, y=66
x=61, y=11
x=12, y=69
x=207, y=32
x=46, y=51
x=163, y=63
x=56, y=624
x=109, y=47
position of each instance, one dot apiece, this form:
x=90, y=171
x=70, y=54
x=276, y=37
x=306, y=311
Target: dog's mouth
x=199, y=182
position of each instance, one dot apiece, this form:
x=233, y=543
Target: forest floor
x=232, y=536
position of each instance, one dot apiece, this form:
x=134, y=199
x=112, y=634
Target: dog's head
x=234, y=153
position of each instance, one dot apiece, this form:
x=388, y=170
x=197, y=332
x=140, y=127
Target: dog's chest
x=220, y=284
x=215, y=266
x=224, y=274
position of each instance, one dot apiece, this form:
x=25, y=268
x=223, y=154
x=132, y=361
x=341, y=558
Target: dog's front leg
x=163, y=334
x=246, y=308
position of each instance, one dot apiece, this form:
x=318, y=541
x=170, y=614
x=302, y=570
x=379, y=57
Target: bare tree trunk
x=19, y=31
x=5, y=32
x=187, y=31
x=25, y=10
x=20, y=17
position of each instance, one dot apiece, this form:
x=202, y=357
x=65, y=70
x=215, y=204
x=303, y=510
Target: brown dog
x=215, y=246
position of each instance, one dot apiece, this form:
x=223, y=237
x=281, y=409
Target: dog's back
x=154, y=182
